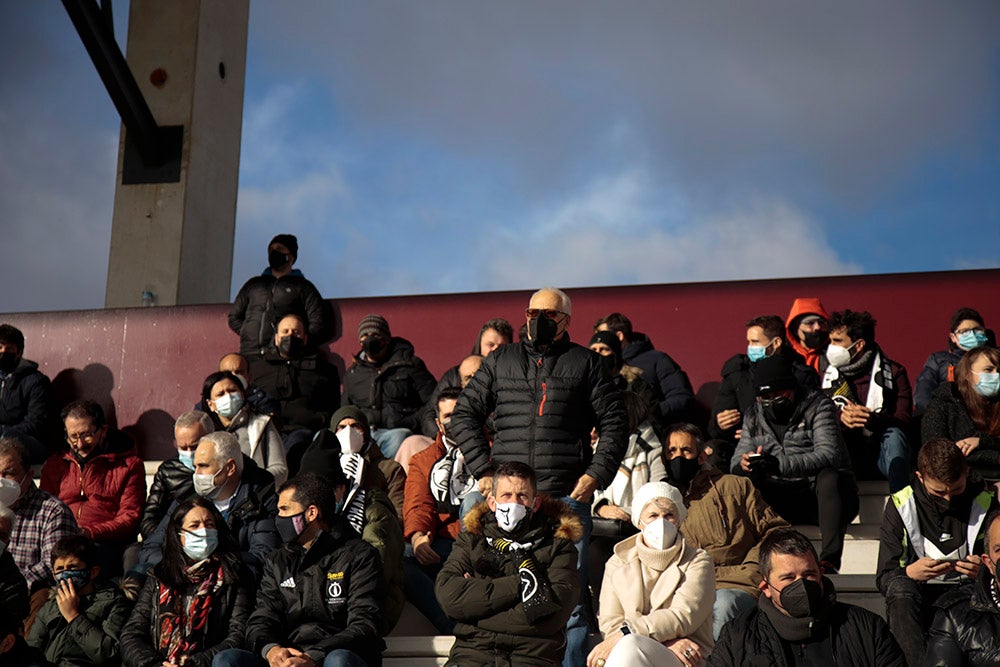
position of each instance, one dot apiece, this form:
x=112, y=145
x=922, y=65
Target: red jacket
x=805, y=306
x=106, y=493
x=420, y=510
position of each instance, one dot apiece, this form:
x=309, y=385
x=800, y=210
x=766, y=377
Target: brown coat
x=727, y=517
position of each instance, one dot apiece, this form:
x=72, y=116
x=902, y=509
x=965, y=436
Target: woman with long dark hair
x=967, y=411
x=193, y=608
x=223, y=394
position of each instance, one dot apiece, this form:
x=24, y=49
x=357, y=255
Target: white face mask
x=10, y=491
x=510, y=515
x=228, y=405
x=838, y=356
x=351, y=441
x=659, y=534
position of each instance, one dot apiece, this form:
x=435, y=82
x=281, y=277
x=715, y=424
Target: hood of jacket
x=630, y=373
x=566, y=523
x=803, y=306
x=400, y=351
x=638, y=344
x=24, y=367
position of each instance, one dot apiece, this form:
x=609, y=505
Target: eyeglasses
x=975, y=330
x=81, y=437
x=532, y=313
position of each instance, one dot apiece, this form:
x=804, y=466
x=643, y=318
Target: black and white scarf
x=450, y=479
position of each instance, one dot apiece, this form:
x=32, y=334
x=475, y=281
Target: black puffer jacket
x=673, y=389
x=966, y=628
x=947, y=417
x=307, y=388
x=859, y=638
x=737, y=393
x=544, y=407
x=173, y=482
x=935, y=373
x=391, y=392
x=326, y=598
x=264, y=300
x=24, y=401
x=231, y=605
x=482, y=590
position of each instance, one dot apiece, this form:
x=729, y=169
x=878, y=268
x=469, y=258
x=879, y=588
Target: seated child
x=81, y=621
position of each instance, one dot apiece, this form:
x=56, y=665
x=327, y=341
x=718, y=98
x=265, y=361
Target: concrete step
x=411, y=651
x=860, y=547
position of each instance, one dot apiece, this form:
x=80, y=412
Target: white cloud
x=618, y=230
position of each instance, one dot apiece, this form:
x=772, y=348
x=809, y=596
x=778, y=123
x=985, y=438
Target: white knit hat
x=653, y=490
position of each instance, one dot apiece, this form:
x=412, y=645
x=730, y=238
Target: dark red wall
x=147, y=365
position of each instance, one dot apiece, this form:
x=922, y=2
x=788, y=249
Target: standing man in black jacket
x=322, y=595
x=278, y=291
x=545, y=395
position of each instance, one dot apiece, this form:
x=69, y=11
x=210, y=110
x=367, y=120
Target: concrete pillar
x=174, y=241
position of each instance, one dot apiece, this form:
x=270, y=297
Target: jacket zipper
x=541, y=404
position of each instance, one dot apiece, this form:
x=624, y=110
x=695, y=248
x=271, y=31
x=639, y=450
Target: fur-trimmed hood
x=555, y=512
x=630, y=373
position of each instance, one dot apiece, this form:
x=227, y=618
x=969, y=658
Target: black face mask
x=779, y=409
x=815, y=340
x=374, y=346
x=682, y=470
x=802, y=598
x=277, y=259
x=542, y=331
x=286, y=528
x=608, y=366
x=291, y=347
x=8, y=361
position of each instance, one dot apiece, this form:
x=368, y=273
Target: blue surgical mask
x=970, y=340
x=80, y=578
x=186, y=457
x=756, y=352
x=200, y=543
x=988, y=384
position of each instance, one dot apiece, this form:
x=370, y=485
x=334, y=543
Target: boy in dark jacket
x=80, y=623
x=931, y=534
x=24, y=395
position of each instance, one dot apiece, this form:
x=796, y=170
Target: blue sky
x=449, y=146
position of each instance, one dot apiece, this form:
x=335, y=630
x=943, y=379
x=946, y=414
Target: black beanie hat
x=773, y=373
x=323, y=458
x=289, y=241
x=373, y=324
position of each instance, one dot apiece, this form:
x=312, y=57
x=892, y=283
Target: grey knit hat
x=373, y=324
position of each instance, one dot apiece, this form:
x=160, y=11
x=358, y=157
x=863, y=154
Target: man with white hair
x=546, y=394
x=172, y=480
x=241, y=490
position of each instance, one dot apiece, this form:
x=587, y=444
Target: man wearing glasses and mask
x=101, y=478
x=545, y=395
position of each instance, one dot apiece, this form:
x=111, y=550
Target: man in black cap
x=389, y=383
x=792, y=451
x=280, y=290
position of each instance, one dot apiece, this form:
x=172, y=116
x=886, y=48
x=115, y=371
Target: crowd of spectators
x=544, y=502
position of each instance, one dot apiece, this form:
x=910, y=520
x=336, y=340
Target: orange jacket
x=805, y=306
x=420, y=510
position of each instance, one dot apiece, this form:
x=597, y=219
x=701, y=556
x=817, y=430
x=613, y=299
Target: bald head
x=551, y=298
x=468, y=368
x=235, y=364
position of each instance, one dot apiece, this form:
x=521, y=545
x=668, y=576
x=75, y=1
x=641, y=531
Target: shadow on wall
x=95, y=382
x=153, y=433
